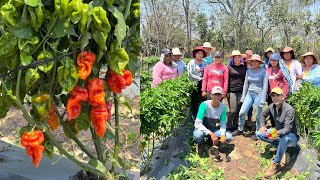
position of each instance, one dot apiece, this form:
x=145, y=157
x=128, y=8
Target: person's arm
x=245, y=87
x=298, y=68
x=157, y=74
x=223, y=121
x=264, y=116
x=264, y=88
x=198, y=124
x=190, y=71
x=225, y=81
x=205, y=80
x=285, y=86
x=288, y=122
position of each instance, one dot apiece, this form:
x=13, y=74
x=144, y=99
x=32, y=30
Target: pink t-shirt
x=215, y=75
x=162, y=72
x=277, y=79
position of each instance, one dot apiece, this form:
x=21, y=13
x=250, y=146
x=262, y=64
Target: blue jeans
x=283, y=142
x=251, y=98
x=199, y=135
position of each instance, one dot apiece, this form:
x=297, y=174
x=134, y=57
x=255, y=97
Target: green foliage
x=160, y=107
x=145, y=80
x=198, y=168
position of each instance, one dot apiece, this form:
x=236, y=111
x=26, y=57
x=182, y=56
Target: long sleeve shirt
x=208, y=116
x=237, y=75
x=181, y=67
x=195, y=70
x=277, y=79
x=284, y=118
x=162, y=72
x=295, y=69
x=215, y=75
x=208, y=59
x=256, y=82
x=313, y=76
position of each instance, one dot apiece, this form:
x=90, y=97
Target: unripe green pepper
x=84, y=18
x=9, y=13
x=31, y=77
x=45, y=55
x=61, y=8
x=42, y=103
x=118, y=58
x=67, y=74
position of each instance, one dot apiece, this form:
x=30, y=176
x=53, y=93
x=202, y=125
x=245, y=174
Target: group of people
x=246, y=81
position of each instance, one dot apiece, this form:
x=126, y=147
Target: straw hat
x=236, y=53
x=287, y=49
x=256, y=57
x=176, y=51
x=208, y=45
x=308, y=54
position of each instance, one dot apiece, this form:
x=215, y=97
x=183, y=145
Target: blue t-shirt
x=208, y=59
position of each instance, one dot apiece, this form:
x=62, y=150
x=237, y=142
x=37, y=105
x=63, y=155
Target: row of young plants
x=148, y=62
x=307, y=108
x=161, y=111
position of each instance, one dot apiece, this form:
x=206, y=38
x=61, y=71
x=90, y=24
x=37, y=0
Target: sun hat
x=197, y=49
x=217, y=90
x=236, y=53
x=277, y=90
x=287, y=49
x=256, y=57
x=249, y=52
x=176, y=51
x=208, y=45
x=308, y=54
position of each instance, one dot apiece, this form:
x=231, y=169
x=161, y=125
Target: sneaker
x=237, y=133
x=272, y=170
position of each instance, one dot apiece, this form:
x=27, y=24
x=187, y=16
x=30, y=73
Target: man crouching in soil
x=284, y=135
x=210, y=113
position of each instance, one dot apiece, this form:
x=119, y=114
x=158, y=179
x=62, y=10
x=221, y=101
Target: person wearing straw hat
x=267, y=55
x=254, y=92
x=237, y=73
x=164, y=69
x=208, y=49
x=284, y=132
x=249, y=54
x=310, y=69
x=176, y=57
x=195, y=69
x=215, y=74
x=293, y=66
x=210, y=113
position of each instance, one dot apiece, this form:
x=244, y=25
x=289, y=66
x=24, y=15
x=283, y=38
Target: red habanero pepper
x=98, y=116
x=53, y=119
x=32, y=142
x=77, y=95
x=116, y=82
x=85, y=61
x=97, y=96
x=128, y=77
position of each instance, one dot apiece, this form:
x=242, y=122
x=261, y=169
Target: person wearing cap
x=164, y=69
x=310, y=69
x=176, y=57
x=208, y=49
x=210, y=113
x=237, y=73
x=293, y=66
x=267, y=55
x=285, y=125
x=195, y=69
x=254, y=92
x=215, y=74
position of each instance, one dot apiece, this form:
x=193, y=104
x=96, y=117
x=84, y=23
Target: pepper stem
x=117, y=142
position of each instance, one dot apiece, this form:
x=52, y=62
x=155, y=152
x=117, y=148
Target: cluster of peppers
x=32, y=141
x=117, y=82
x=273, y=134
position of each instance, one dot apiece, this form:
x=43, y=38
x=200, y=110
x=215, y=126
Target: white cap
x=216, y=89
x=176, y=51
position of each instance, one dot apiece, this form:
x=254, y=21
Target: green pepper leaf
x=83, y=121
x=22, y=29
x=85, y=40
x=48, y=149
x=25, y=129
x=63, y=28
x=33, y=3
x=67, y=74
x=99, y=166
x=120, y=28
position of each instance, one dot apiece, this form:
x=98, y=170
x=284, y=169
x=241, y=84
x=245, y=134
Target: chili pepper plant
x=51, y=55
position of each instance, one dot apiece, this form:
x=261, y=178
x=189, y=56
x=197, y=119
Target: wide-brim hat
x=270, y=49
x=197, y=49
x=287, y=49
x=208, y=45
x=249, y=52
x=236, y=53
x=308, y=54
x=176, y=51
x=256, y=57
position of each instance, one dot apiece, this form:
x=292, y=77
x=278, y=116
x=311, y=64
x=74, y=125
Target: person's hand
x=263, y=130
x=214, y=138
x=223, y=139
x=203, y=94
x=299, y=77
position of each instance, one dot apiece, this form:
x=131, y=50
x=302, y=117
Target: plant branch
x=97, y=144
x=117, y=143
x=126, y=13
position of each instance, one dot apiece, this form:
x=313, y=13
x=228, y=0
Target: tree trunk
x=155, y=14
x=186, y=12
